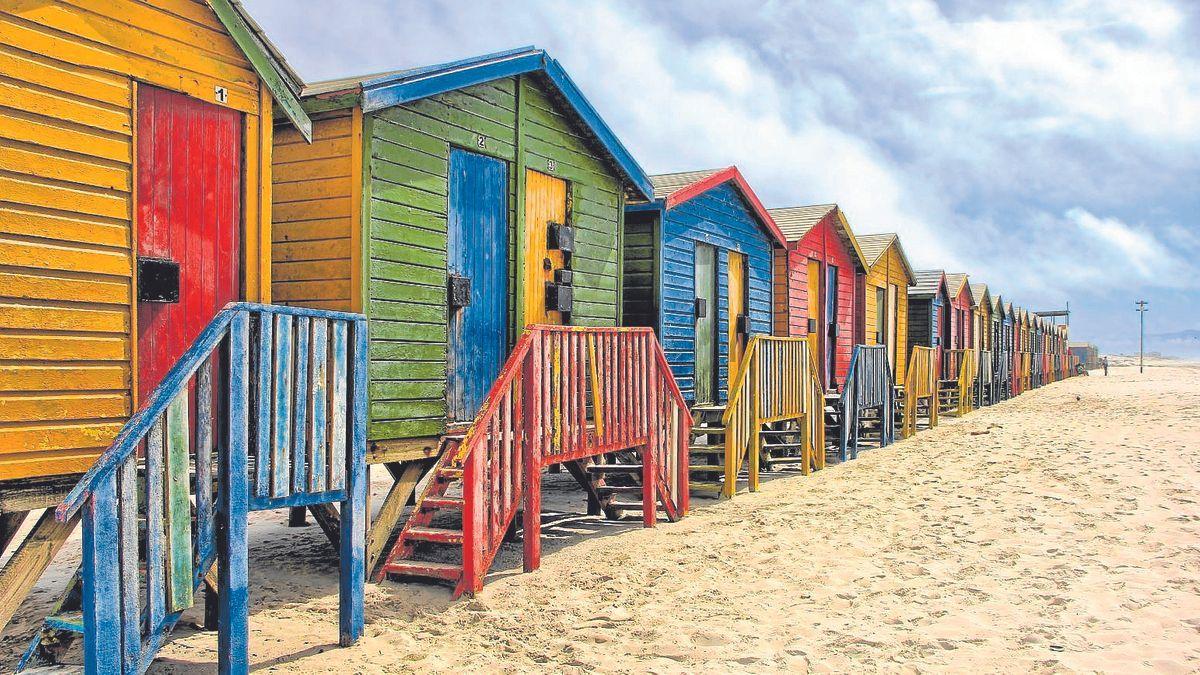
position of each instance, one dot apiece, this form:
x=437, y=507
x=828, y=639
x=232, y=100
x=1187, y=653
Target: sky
x=1049, y=149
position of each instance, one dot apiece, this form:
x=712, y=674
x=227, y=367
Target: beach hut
x=981, y=331
x=818, y=278
x=928, y=334
x=1001, y=349
x=136, y=156
x=885, y=297
x=474, y=211
x=697, y=269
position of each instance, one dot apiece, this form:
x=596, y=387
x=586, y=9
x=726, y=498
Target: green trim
x=319, y=104
x=364, y=215
x=267, y=67
x=519, y=207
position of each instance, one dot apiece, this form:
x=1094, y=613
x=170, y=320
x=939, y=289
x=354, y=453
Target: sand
x=1053, y=532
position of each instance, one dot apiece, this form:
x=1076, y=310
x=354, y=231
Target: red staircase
x=568, y=395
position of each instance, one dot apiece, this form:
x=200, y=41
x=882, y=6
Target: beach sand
x=1053, y=532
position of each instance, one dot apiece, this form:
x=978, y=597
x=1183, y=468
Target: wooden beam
x=31, y=494
x=32, y=558
x=403, y=450
x=393, y=508
x=9, y=524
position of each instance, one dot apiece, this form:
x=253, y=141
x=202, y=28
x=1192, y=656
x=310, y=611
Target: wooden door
x=879, y=337
x=816, y=324
x=706, y=324
x=892, y=314
x=189, y=194
x=831, y=325
x=545, y=203
x=477, y=252
x=737, y=309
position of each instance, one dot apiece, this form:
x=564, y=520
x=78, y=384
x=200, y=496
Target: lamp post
x=1141, y=310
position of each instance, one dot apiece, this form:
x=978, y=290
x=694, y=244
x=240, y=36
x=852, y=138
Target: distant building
x=1088, y=353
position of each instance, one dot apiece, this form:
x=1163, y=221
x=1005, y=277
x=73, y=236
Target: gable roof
x=384, y=90
x=956, y=282
x=797, y=221
x=997, y=305
x=875, y=245
x=676, y=188
x=979, y=293
x=283, y=82
x=928, y=284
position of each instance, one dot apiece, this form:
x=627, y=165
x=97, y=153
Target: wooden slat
x=156, y=573
x=263, y=401
x=318, y=400
x=205, y=524
x=300, y=402
x=281, y=438
x=131, y=633
x=178, y=507
x=338, y=397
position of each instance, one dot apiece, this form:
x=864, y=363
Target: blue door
x=477, y=251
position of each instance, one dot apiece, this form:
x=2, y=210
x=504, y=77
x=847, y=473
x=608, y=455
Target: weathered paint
x=927, y=323
x=735, y=302
x=69, y=72
x=402, y=212
x=545, y=204
x=828, y=243
x=885, y=304
x=960, y=312
x=718, y=219
x=478, y=251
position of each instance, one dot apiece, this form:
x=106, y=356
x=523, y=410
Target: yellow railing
x=777, y=381
x=920, y=382
x=967, y=374
x=1026, y=371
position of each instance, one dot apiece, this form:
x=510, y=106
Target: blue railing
x=869, y=385
x=985, y=379
x=282, y=386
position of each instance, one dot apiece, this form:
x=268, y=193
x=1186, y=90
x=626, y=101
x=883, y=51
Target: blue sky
x=1048, y=149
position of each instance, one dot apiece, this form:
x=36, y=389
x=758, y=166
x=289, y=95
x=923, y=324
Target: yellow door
x=545, y=203
x=814, y=312
x=737, y=308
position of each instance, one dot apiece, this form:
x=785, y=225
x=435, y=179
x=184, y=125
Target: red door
x=189, y=160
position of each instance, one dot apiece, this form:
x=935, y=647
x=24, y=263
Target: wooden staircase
x=706, y=450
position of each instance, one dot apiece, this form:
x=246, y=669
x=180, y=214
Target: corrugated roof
x=666, y=183
x=873, y=247
x=927, y=284
x=796, y=221
x=979, y=292
x=955, y=282
x=998, y=304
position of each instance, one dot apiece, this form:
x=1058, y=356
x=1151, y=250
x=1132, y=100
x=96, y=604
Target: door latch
x=158, y=280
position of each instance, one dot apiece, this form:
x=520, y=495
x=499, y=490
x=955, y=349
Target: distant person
x=1104, y=362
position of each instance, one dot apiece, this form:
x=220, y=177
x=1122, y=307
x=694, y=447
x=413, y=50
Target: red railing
x=568, y=393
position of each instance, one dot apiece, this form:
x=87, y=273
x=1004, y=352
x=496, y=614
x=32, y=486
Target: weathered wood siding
x=889, y=269
x=823, y=243
x=67, y=72
x=960, y=329
x=406, y=244
x=719, y=217
x=920, y=322
x=781, y=309
x=639, y=297
x=317, y=192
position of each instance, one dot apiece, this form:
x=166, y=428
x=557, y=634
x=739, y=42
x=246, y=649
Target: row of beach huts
x=225, y=290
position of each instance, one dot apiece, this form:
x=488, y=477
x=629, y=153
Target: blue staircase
x=266, y=410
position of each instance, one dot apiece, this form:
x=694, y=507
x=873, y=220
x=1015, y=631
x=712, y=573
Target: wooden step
x=699, y=431
x=67, y=621
x=614, y=468
x=454, y=503
x=421, y=568
x=449, y=474
x=707, y=468
x=437, y=535
x=623, y=489
x=710, y=449
x=782, y=446
x=708, y=408
x=625, y=506
x=780, y=432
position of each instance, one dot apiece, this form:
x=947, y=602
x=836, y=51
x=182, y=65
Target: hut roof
x=980, y=294
x=875, y=245
x=276, y=73
x=395, y=87
x=797, y=221
x=928, y=283
x=956, y=282
x=677, y=188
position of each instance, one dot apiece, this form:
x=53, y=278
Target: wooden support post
x=296, y=517
x=329, y=521
x=31, y=558
x=756, y=420
x=531, y=399
x=233, y=505
x=10, y=523
x=354, y=508
x=389, y=515
x=102, y=580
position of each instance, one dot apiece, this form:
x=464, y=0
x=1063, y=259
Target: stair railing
x=283, y=386
x=921, y=382
x=869, y=384
x=568, y=393
x=967, y=374
x=985, y=383
x=776, y=381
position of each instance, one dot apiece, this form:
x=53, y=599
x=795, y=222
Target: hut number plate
x=551, y=165
x=221, y=94
x=480, y=141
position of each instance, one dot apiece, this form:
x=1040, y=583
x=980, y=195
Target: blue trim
x=398, y=88
x=296, y=499
x=658, y=205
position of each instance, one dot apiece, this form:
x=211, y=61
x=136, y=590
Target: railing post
x=101, y=580
x=531, y=458
x=354, y=508
x=650, y=451
x=233, y=504
x=755, y=358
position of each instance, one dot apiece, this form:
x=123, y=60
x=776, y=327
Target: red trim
x=723, y=176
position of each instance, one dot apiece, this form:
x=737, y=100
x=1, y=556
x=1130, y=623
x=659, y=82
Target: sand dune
x=1054, y=532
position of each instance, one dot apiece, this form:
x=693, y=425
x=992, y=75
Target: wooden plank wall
x=889, y=269
x=639, y=300
x=407, y=202
x=719, y=217
x=920, y=322
x=823, y=243
x=316, y=191
x=66, y=207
